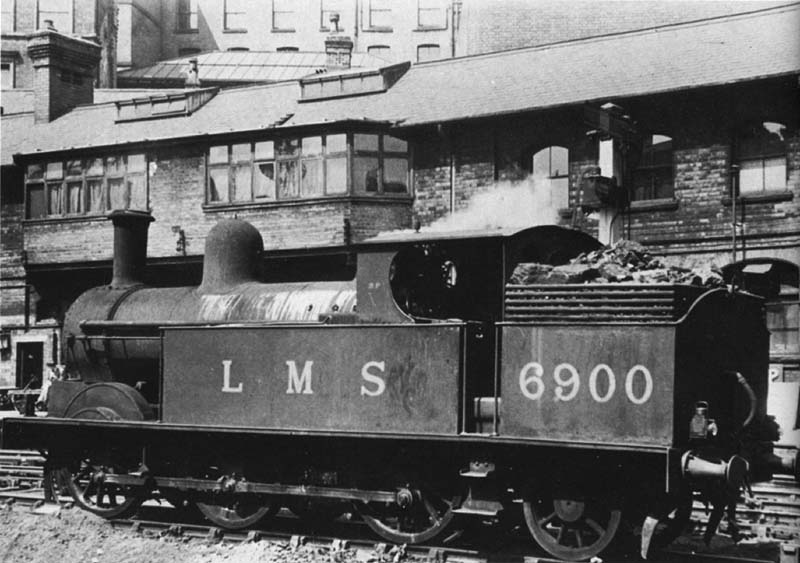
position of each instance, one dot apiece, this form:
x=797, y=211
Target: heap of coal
x=624, y=262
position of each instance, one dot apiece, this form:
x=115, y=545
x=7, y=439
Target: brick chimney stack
x=338, y=47
x=64, y=70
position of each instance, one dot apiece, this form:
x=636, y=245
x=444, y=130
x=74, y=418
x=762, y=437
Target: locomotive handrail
x=750, y=394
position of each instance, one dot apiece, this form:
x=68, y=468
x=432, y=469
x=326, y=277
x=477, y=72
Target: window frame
x=187, y=10
x=225, y=14
x=550, y=175
x=428, y=46
x=70, y=15
x=325, y=22
x=376, y=7
x=651, y=169
x=756, y=132
x=12, y=70
x=297, y=159
x=283, y=10
x=62, y=185
x=13, y=16
x=438, y=6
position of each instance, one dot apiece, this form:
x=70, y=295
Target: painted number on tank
x=602, y=383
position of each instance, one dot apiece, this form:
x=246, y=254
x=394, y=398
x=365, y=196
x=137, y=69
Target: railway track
x=771, y=514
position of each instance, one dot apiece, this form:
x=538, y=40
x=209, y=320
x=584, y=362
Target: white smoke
x=507, y=205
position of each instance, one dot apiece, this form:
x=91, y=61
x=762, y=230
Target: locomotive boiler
x=426, y=391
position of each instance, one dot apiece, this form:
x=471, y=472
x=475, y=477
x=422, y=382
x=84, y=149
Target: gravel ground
x=76, y=536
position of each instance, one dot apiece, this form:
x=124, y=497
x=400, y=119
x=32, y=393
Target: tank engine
x=426, y=391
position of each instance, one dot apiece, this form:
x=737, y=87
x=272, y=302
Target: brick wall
x=695, y=226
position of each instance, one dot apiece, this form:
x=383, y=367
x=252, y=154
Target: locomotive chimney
x=130, y=246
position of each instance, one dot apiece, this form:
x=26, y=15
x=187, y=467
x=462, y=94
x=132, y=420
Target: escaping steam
x=508, y=205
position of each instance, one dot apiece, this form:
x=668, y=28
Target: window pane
x=428, y=53
x=35, y=171
x=336, y=143
x=382, y=51
x=380, y=15
x=559, y=161
x=311, y=178
x=751, y=176
x=783, y=321
x=97, y=202
x=114, y=165
x=242, y=176
x=312, y=146
x=393, y=144
x=432, y=13
x=365, y=174
x=775, y=173
x=337, y=176
x=137, y=188
x=559, y=192
x=287, y=147
x=54, y=170
x=264, y=181
x=283, y=20
x=362, y=142
x=54, y=199
x=541, y=163
x=395, y=175
x=217, y=155
x=36, y=201
x=94, y=167
x=264, y=150
x=136, y=163
x=74, y=199
x=218, y=184
x=240, y=153
x=287, y=179
x=118, y=193
x=74, y=168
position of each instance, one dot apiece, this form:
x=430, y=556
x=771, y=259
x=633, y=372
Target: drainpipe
x=734, y=197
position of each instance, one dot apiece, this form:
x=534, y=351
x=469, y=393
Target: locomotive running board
x=187, y=483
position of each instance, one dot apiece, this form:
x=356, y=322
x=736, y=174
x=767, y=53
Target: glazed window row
x=86, y=186
x=307, y=167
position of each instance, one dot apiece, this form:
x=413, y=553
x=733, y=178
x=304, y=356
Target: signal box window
x=58, y=11
x=89, y=187
x=761, y=153
x=236, y=15
x=310, y=167
x=653, y=177
x=187, y=15
x=551, y=167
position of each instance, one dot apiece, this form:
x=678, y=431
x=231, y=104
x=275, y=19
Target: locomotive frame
x=448, y=394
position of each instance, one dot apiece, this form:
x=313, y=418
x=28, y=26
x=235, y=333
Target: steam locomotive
x=425, y=392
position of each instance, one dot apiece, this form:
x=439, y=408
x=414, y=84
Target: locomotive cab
x=424, y=276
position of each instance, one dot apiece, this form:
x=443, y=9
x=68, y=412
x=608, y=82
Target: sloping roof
x=720, y=51
x=240, y=67
x=714, y=52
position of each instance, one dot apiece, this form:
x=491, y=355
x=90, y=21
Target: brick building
x=329, y=160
